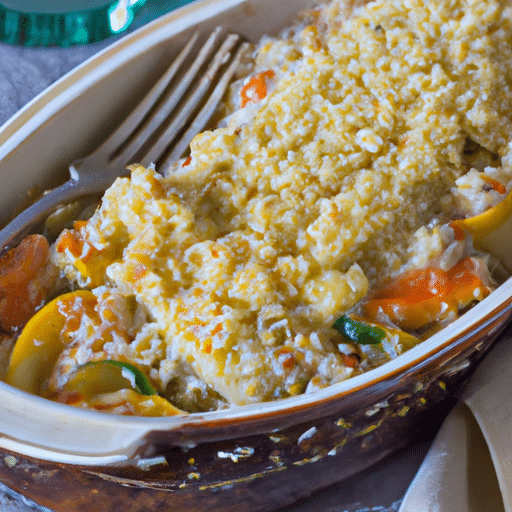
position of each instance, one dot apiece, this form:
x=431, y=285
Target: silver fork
x=159, y=129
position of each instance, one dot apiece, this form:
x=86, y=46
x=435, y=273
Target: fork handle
x=36, y=213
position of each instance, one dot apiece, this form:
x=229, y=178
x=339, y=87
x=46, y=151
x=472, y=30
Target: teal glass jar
x=64, y=22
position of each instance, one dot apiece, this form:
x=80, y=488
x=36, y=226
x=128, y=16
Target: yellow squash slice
x=40, y=343
x=485, y=223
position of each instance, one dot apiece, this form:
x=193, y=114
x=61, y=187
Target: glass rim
x=56, y=6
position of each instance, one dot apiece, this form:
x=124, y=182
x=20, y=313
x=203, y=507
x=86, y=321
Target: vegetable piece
x=129, y=402
x=494, y=184
x=378, y=341
x=359, y=331
x=385, y=342
x=115, y=385
x=485, y=223
x=40, y=343
x=350, y=360
x=406, y=340
x=98, y=377
x=25, y=281
x=419, y=297
x=256, y=88
x=90, y=262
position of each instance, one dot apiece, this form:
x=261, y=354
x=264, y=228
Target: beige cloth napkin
x=469, y=465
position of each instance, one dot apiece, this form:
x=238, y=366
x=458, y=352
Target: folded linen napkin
x=469, y=465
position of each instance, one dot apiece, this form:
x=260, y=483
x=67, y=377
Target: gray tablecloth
x=24, y=73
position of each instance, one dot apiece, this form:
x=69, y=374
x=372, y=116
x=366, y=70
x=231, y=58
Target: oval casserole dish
x=265, y=456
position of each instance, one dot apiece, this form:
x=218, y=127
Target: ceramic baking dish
x=264, y=456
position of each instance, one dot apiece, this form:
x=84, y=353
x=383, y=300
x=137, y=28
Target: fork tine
x=139, y=135
x=122, y=132
x=204, y=114
x=202, y=89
